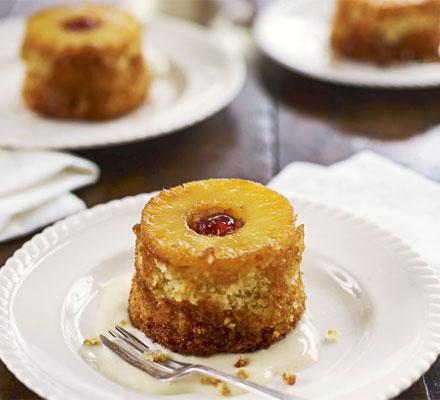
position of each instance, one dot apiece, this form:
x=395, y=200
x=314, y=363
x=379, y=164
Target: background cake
x=83, y=61
x=386, y=30
x=217, y=268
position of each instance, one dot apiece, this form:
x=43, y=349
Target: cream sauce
x=298, y=350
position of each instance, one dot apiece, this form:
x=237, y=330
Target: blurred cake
x=383, y=31
x=217, y=268
x=83, y=61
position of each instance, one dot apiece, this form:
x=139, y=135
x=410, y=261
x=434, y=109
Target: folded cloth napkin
x=394, y=197
x=35, y=186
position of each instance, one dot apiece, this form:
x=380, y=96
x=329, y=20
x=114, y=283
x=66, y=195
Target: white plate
x=296, y=34
x=359, y=279
x=198, y=76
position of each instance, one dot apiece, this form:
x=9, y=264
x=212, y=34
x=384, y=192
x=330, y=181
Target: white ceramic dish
x=196, y=77
x=381, y=296
x=296, y=34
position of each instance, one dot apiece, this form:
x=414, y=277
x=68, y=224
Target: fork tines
x=131, y=342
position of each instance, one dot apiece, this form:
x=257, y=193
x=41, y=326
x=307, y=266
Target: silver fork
x=130, y=349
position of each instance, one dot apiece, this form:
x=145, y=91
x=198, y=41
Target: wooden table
x=279, y=117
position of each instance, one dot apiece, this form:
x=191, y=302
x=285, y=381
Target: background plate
x=359, y=279
x=198, y=77
x=296, y=34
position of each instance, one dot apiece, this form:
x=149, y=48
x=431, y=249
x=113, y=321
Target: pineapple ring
x=80, y=25
x=268, y=222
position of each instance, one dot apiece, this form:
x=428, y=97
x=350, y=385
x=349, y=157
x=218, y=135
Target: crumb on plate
x=224, y=389
x=207, y=380
x=332, y=336
x=92, y=341
x=289, y=378
x=242, y=373
x=155, y=356
x=222, y=386
x=241, y=362
x=123, y=322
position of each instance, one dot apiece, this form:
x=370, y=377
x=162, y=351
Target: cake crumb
x=207, y=380
x=156, y=356
x=289, y=378
x=222, y=386
x=276, y=334
x=242, y=373
x=228, y=323
x=332, y=336
x=224, y=389
x=241, y=362
x=92, y=341
x=123, y=323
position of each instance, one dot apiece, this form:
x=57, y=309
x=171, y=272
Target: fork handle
x=247, y=385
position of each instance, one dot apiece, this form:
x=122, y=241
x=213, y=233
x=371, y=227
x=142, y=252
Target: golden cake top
x=71, y=27
x=216, y=219
x=397, y=3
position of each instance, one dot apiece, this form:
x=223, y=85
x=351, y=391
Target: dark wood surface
x=279, y=117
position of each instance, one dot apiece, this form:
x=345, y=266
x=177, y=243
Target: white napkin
x=395, y=198
x=35, y=186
